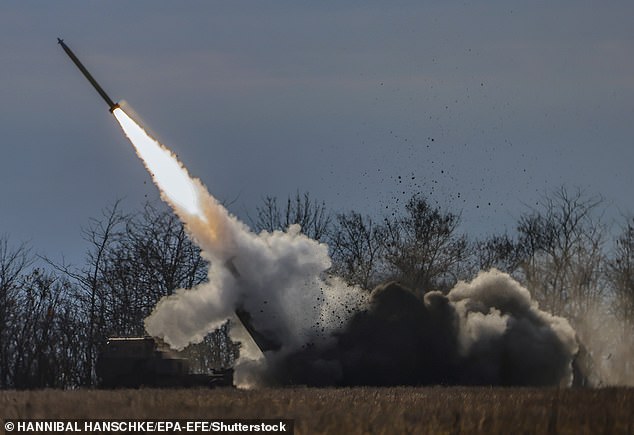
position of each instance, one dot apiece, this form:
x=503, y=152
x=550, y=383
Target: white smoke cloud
x=486, y=331
x=280, y=279
x=281, y=282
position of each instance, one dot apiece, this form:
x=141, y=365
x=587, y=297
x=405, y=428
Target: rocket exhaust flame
x=168, y=173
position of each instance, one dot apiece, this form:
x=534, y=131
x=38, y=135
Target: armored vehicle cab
x=133, y=362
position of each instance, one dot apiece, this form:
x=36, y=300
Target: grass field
x=354, y=410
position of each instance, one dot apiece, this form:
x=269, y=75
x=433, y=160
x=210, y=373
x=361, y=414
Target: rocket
x=111, y=104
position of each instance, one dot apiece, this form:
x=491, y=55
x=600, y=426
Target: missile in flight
x=111, y=104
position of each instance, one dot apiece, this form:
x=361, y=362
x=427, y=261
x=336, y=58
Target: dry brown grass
x=411, y=410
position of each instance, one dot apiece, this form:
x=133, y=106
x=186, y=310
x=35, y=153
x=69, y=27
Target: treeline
x=55, y=318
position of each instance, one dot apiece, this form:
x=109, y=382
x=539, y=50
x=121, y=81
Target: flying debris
x=314, y=329
x=111, y=104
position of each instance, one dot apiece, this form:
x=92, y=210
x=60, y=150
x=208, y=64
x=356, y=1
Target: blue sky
x=483, y=107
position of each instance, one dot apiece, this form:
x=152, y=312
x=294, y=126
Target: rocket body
x=111, y=104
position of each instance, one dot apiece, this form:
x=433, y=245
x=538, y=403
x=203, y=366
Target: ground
x=438, y=410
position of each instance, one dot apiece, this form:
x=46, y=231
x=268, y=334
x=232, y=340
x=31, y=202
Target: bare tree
x=102, y=234
x=621, y=272
x=44, y=355
x=152, y=258
x=423, y=248
x=357, y=249
x=497, y=251
x=133, y=260
x=563, y=244
x=13, y=264
x=621, y=276
x=310, y=214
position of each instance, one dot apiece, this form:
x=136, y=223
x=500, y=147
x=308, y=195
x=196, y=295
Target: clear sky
x=482, y=106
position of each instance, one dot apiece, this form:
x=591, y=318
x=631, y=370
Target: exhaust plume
x=488, y=331
x=177, y=187
x=283, y=270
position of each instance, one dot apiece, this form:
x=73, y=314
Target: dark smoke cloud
x=486, y=332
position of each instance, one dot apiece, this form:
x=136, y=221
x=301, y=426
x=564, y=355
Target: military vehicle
x=133, y=362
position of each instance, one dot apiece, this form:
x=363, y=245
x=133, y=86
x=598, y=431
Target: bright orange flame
x=168, y=173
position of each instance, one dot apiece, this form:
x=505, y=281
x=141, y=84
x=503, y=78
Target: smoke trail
x=281, y=280
x=178, y=188
x=488, y=331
